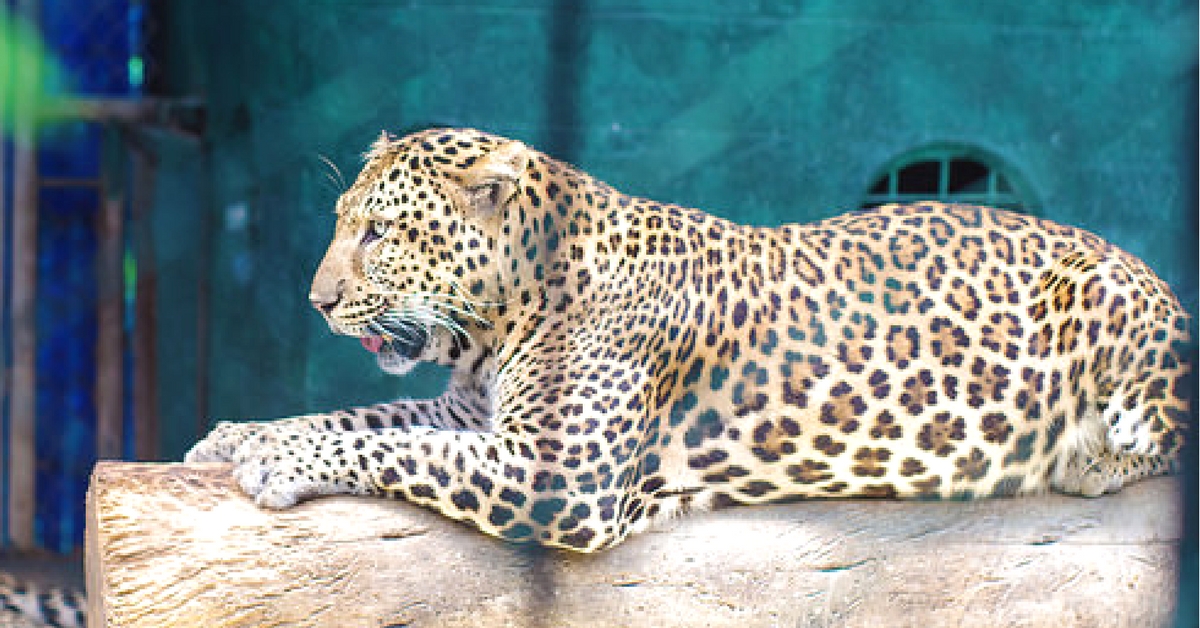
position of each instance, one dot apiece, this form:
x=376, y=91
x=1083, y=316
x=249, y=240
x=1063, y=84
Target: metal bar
x=105, y=109
x=204, y=288
x=145, y=329
x=185, y=116
x=110, y=308
x=943, y=177
x=972, y=197
x=22, y=457
x=69, y=182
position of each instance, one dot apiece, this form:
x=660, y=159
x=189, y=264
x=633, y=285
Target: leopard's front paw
x=223, y=442
x=280, y=468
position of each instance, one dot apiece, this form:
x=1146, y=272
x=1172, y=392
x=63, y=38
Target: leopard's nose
x=326, y=300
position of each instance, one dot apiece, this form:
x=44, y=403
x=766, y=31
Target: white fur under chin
x=394, y=364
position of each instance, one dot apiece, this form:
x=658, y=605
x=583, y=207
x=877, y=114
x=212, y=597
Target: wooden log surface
x=179, y=545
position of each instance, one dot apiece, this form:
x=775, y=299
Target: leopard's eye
x=486, y=197
x=376, y=230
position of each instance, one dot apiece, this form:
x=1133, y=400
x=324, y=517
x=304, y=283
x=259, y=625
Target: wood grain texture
x=179, y=545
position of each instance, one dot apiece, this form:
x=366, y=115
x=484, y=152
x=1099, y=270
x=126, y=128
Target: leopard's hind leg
x=1140, y=358
x=1146, y=398
x=1092, y=476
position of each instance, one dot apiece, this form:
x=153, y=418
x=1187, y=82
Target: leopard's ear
x=495, y=178
x=381, y=145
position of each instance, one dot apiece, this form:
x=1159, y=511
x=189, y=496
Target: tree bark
x=179, y=545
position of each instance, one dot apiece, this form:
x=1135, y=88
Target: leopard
x=615, y=362
x=27, y=604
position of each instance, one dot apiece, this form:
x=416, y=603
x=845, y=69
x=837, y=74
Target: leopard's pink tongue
x=372, y=343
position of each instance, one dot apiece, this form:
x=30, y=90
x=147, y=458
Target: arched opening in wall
x=950, y=174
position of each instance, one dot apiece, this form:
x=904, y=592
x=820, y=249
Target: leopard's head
x=417, y=256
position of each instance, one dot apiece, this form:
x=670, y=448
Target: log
x=179, y=545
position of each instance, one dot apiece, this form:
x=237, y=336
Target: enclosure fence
x=77, y=266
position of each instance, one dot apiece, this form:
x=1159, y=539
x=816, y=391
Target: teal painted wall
x=762, y=111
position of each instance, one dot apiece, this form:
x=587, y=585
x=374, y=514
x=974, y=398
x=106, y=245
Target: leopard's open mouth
x=407, y=345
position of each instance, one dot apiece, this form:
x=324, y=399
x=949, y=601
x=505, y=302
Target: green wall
x=762, y=111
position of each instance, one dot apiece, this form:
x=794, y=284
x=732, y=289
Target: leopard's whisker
x=341, y=180
x=400, y=327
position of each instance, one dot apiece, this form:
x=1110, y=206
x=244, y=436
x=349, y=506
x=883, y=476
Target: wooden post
x=5, y=332
x=110, y=309
x=22, y=408
x=179, y=545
